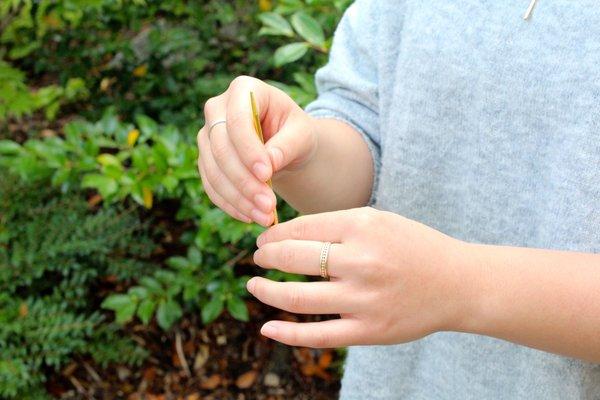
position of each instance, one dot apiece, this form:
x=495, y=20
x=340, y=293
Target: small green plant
x=53, y=252
x=148, y=163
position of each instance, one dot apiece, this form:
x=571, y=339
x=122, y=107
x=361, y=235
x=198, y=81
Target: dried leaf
x=94, y=200
x=147, y=196
x=308, y=369
x=48, y=133
x=201, y=357
x=149, y=374
x=271, y=379
x=132, y=137
x=211, y=382
x=246, y=380
x=265, y=5
x=23, y=310
x=325, y=359
x=140, y=70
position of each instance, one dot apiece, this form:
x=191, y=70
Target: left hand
x=392, y=280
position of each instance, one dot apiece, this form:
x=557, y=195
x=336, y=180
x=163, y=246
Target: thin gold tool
x=258, y=130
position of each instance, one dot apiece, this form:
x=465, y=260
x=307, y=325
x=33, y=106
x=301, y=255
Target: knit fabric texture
x=486, y=127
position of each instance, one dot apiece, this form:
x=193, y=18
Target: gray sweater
x=485, y=127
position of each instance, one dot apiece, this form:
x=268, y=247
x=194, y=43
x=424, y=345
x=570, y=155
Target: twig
x=77, y=385
x=181, y=355
x=92, y=372
x=231, y=262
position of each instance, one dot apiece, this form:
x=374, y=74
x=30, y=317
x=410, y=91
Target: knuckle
x=209, y=105
x=322, y=339
x=296, y=300
x=240, y=81
x=366, y=216
x=298, y=230
x=241, y=201
x=287, y=257
x=245, y=185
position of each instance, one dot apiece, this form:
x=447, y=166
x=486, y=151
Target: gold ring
x=221, y=121
x=323, y=259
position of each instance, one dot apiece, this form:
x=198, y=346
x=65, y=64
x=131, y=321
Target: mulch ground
x=225, y=360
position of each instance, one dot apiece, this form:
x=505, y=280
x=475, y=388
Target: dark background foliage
x=111, y=256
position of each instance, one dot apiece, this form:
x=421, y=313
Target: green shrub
x=140, y=71
x=53, y=250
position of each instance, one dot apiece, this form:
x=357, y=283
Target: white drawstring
x=529, y=9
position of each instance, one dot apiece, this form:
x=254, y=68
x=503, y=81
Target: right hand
x=234, y=165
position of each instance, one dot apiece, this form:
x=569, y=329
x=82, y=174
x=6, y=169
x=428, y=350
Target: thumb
x=293, y=145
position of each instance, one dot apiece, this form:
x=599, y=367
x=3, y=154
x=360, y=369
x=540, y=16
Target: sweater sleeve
x=347, y=85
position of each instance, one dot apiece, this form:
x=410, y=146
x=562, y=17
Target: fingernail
x=261, y=171
x=263, y=202
x=260, y=240
x=250, y=284
x=269, y=329
x=260, y=217
x=276, y=157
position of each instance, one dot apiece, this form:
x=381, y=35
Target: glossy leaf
x=309, y=28
x=290, y=53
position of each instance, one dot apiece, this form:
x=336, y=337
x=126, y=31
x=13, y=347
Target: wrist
x=471, y=293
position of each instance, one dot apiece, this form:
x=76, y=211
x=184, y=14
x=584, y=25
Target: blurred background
x=118, y=278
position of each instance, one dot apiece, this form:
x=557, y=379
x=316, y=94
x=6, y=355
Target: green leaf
x=138, y=292
x=169, y=311
x=145, y=310
x=147, y=126
x=308, y=28
x=106, y=159
x=169, y=182
x=8, y=147
x=290, y=53
x=212, y=309
x=125, y=313
x=123, y=305
x=115, y=301
x=237, y=308
x=177, y=262
x=151, y=284
x=274, y=24
x=194, y=255
x=105, y=185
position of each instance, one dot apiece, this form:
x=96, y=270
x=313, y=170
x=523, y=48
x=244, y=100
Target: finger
x=230, y=164
x=303, y=257
x=324, y=227
x=292, y=144
x=240, y=125
x=303, y=297
x=221, y=185
x=218, y=200
x=325, y=334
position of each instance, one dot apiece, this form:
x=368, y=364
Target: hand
x=392, y=279
x=234, y=165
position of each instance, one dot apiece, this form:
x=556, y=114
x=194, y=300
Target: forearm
x=549, y=300
x=339, y=175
